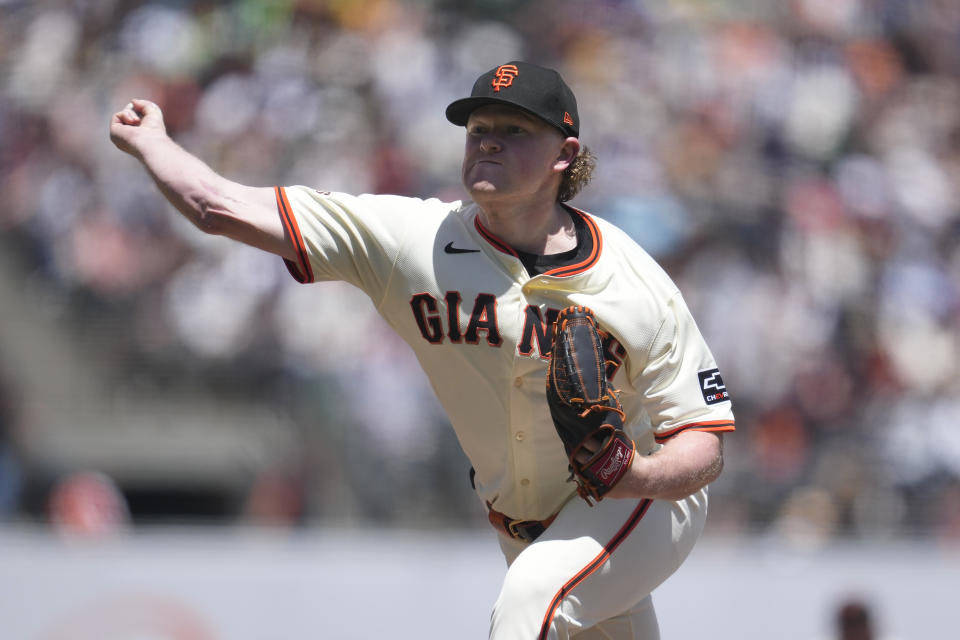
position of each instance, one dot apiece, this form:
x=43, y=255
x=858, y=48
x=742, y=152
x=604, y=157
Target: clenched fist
x=137, y=124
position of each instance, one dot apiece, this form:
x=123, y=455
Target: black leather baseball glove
x=584, y=407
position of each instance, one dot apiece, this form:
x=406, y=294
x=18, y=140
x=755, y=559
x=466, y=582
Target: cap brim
x=459, y=110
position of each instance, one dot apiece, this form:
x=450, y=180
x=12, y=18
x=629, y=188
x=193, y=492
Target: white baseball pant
x=591, y=573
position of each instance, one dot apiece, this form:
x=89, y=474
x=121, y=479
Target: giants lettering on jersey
x=537, y=330
x=434, y=326
x=536, y=337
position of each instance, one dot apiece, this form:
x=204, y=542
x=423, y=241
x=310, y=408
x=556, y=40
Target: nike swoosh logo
x=449, y=248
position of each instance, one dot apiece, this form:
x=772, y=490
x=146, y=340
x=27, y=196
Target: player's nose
x=490, y=144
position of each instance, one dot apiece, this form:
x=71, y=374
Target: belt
x=526, y=530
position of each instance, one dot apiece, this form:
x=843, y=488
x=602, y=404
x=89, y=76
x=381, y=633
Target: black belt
x=526, y=530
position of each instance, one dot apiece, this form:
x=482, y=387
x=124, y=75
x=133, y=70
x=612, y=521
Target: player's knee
x=525, y=595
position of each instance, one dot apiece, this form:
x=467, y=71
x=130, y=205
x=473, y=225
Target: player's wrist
x=631, y=484
x=152, y=145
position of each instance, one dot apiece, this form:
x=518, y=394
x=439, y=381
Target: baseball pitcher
x=576, y=380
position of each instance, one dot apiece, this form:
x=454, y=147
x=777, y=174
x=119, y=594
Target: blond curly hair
x=577, y=175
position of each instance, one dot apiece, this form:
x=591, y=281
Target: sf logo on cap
x=504, y=76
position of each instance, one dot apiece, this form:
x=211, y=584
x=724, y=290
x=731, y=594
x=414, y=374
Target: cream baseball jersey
x=480, y=327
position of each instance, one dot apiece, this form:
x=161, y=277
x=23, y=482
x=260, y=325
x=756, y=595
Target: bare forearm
x=191, y=186
x=207, y=199
x=683, y=466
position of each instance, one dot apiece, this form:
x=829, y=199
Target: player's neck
x=541, y=230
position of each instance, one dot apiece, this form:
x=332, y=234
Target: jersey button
x=520, y=436
x=518, y=381
x=525, y=482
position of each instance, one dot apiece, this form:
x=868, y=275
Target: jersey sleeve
x=338, y=236
x=682, y=386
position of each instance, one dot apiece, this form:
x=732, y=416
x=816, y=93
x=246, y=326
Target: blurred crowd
x=794, y=166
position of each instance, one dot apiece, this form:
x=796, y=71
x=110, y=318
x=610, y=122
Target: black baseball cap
x=536, y=90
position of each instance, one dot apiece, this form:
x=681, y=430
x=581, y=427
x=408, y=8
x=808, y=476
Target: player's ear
x=567, y=154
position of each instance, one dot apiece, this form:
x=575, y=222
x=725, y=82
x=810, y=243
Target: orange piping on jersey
x=595, y=564
x=589, y=261
x=713, y=425
x=497, y=243
x=300, y=270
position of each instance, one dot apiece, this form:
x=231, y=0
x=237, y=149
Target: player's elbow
x=208, y=214
x=697, y=480
x=209, y=221
x=715, y=469
x=709, y=467
x=714, y=465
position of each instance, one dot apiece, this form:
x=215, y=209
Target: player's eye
x=515, y=130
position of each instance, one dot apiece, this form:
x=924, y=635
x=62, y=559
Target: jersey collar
x=558, y=272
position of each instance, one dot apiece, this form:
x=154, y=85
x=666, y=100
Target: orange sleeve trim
x=714, y=425
x=300, y=270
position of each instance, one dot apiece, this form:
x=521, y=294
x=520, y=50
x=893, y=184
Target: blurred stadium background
x=795, y=166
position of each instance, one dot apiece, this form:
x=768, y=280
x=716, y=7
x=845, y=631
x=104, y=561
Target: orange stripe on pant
x=594, y=564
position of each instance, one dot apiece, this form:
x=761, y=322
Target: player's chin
x=481, y=188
